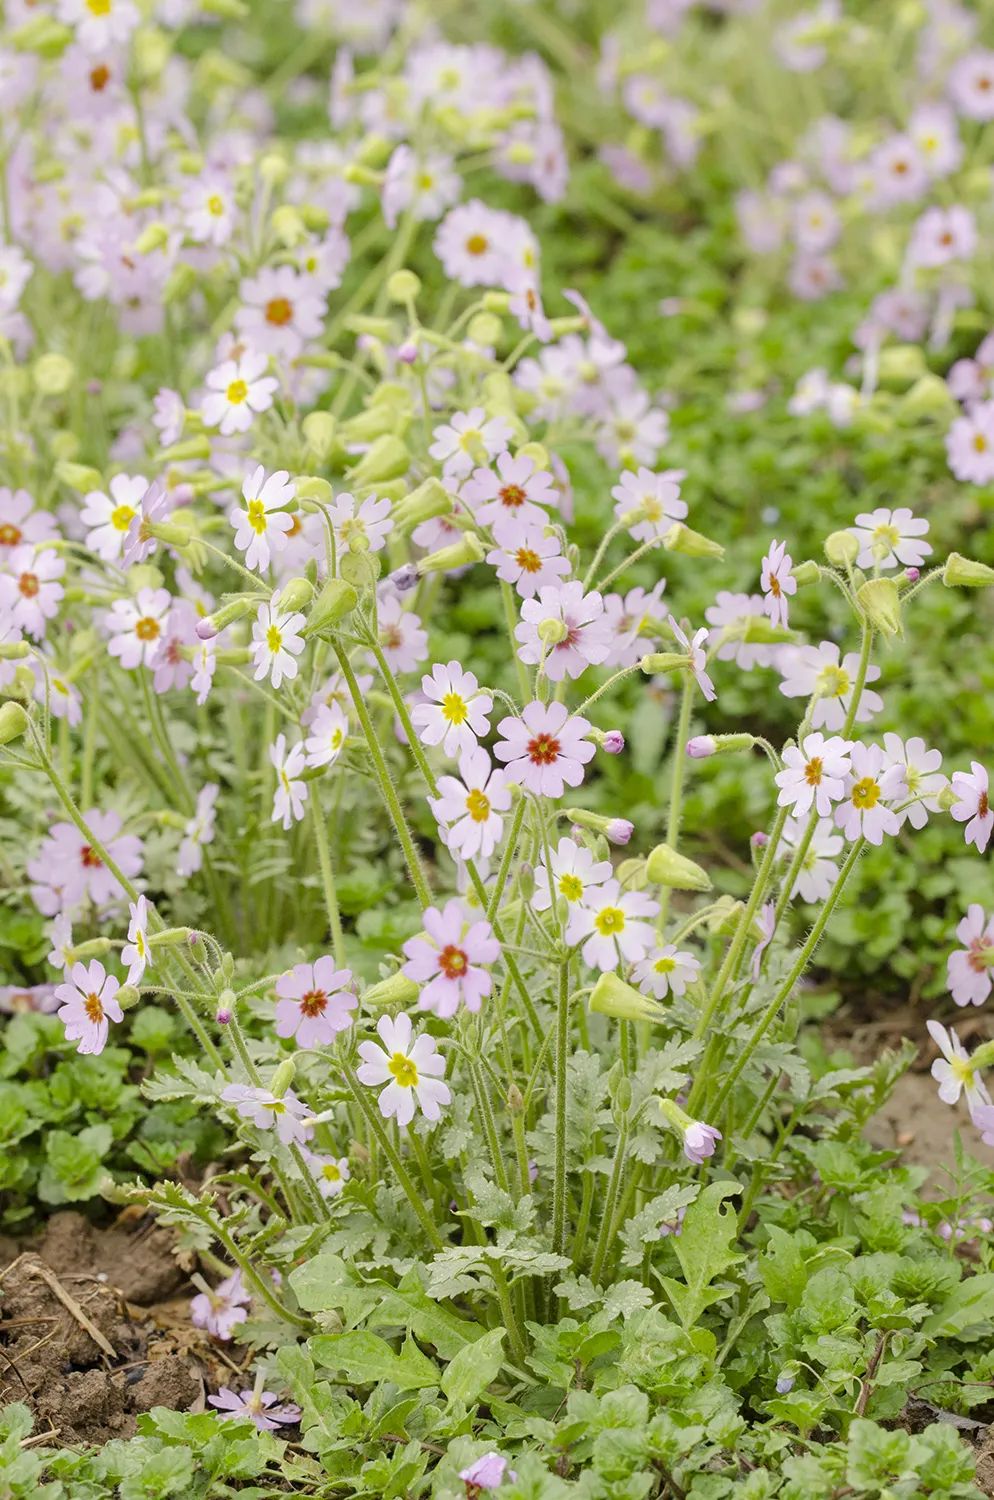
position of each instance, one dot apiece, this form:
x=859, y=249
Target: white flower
x=574, y=873
x=470, y=809
x=100, y=25
x=135, y=951
x=921, y=777
x=263, y=525
x=361, y=525
x=137, y=627
x=469, y=439
x=109, y=516
x=410, y=1069
x=814, y=773
x=972, y=805
x=864, y=813
x=329, y=730
x=953, y=1071
x=288, y=803
x=778, y=582
x=238, y=390
x=889, y=537
x=457, y=715
x=612, y=922
x=818, y=870
x=698, y=656
x=810, y=670
x=276, y=642
x=668, y=968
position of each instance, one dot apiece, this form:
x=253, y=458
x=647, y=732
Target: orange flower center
x=313, y=1003
x=512, y=495
x=28, y=585
x=279, y=312
x=94, y=1009
x=147, y=629
x=10, y=534
x=453, y=962
x=813, y=771
x=543, y=750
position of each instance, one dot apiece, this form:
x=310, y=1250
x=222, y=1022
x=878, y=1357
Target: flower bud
x=459, y=554
x=613, y=742
x=296, y=595
x=665, y=866
x=429, y=500
x=14, y=650
x=193, y=447
x=681, y=538
x=805, y=573
x=662, y=661
x=724, y=744
x=842, y=549
x=53, y=374
x=359, y=566
x=515, y=1099
x=901, y=365
x=701, y=746
x=615, y=830
x=403, y=286
x=911, y=575
x=611, y=996
x=170, y=937
x=287, y=225
x=283, y=1077
x=93, y=948
x=404, y=578
x=310, y=488
x=128, y=996
x=485, y=329
x=385, y=458
x=13, y=722
x=319, y=429
x=538, y=454
x=212, y=625
x=396, y=991
x=880, y=601
x=195, y=943
x=757, y=630
x=153, y=237
x=41, y=35
x=407, y=352
x=553, y=632
x=963, y=572
x=496, y=302
x=78, y=476
x=180, y=283
x=336, y=600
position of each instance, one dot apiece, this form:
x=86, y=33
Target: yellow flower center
x=403, y=1070
x=121, y=517
x=274, y=639
x=478, y=806
x=236, y=392
x=477, y=244
x=257, y=516
x=98, y=7
x=664, y=965
x=527, y=560
x=454, y=709
x=571, y=886
x=215, y=205
x=833, y=682
x=609, y=921
x=331, y=1171
x=147, y=629
x=865, y=793
x=885, y=539
x=813, y=771
x=94, y=1009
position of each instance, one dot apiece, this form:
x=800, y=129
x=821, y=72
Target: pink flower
x=31, y=591
x=361, y=525
x=727, y=613
x=921, y=777
x=237, y=391
x=811, y=670
x=198, y=832
x=565, y=630
x=511, y=498
x=470, y=244
x=610, y=926
x=699, y=1141
x=973, y=804
x=411, y=1069
x=136, y=627
x=486, y=1473
x=546, y=749
x=285, y=1113
x=67, y=870
x=953, y=1071
x=630, y=619
x=778, y=582
x=262, y=527
x=531, y=562
x=971, y=85
x=525, y=304
x=87, y=1003
x=282, y=311
x=666, y=969
x=698, y=657
x=968, y=971
x=448, y=960
x=402, y=637
x=814, y=774
x=314, y=1002
x=467, y=439
x=649, y=503
x=220, y=1309
x=288, y=801
x=457, y=714
x=942, y=235
x=970, y=444
x=329, y=731
x=259, y=1406
x=869, y=786
x=20, y=522
x=470, y=809
x=573, y=874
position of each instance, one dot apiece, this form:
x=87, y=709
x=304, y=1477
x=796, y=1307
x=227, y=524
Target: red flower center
x=313, y=1003
x=453, y=962
x=512, y=495
x=983, y=805
x=29, y=585
x=88, y=858
x=543, y=750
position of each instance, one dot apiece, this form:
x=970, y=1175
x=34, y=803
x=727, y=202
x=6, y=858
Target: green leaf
x=704, y=1250
x=969, y=1305
x=467, y=1376
x=367, y=1359
x=169, y=1472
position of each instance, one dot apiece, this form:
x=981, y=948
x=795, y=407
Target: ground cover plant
x=494, y=658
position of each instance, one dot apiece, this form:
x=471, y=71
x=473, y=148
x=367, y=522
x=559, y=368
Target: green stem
x=375, y=1123
x=327, y=876
x=610, y=1203
x=510, y=620
x=562, y=1058
x=676, y=784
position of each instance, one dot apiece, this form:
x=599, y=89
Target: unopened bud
x=319, y=428
x=701, y=746
x=963, y=572
x=611, y=996
x=53, y=374
x=127, y=996
x=665, y=866
x=283, y=1077
x=385, y=458
x=842, y=549
x=296, y=595
x=404, y=578
x=223, y=1015
x=805, y=573
x=396, y=991
x=153, y=237
x=681, y=538
x=459, y=554
x=78, y=476
x=615, y=830
x=428, y=501
x=613, y=742
x=212, y=625
x=403, y=286
x=662, y=661
x=288, y=226
x=13, y=722
x=880, y=601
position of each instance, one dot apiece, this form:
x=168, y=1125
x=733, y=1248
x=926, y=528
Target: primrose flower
x=282, y=311
x=109, y=517
x=648, y=503
x=198, y=832
x=276, y=642
x=971, y=85
x=263, y=525
x=814, y=774
x=665, y=970
x=20, y=522
x=100, y=25
x=427, y=185
x=972, y=805
x=778, y=582
x=314, y=1002
x=890, y=537
x=60, y=937
x=457, y=713
x=403, y=639
x=209, y=210
x=411, y=1069
x=331, y=1173
x=699, y=1141
x=470, y=244
x=288, y=801
x=546, y=749
x=468, y=439
x=532, y=562
x=470, y=807
x=137, y=626
x=448, y=958
x=611, y=924
x=31, y=591
x=486, y=1473
x=87, y=1003
x=953, y=1071
x=512, y=498
x=259, y=1406
x=361, y=525
x=135, y=952
x=970, y=444
x=286, y=1114
x=565, y=630
x=968, y=970
x=630, y=618
x=730, y=611
x=818, y=871
x=698, y=657
x=329, y=731
x=68, y=871
x=238, y=390
x=864, y=813
x=574, y=872
x=220, y=1309
x=810, y=670
x=921, y=777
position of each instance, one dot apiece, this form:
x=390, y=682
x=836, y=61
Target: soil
x=95, y=1328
